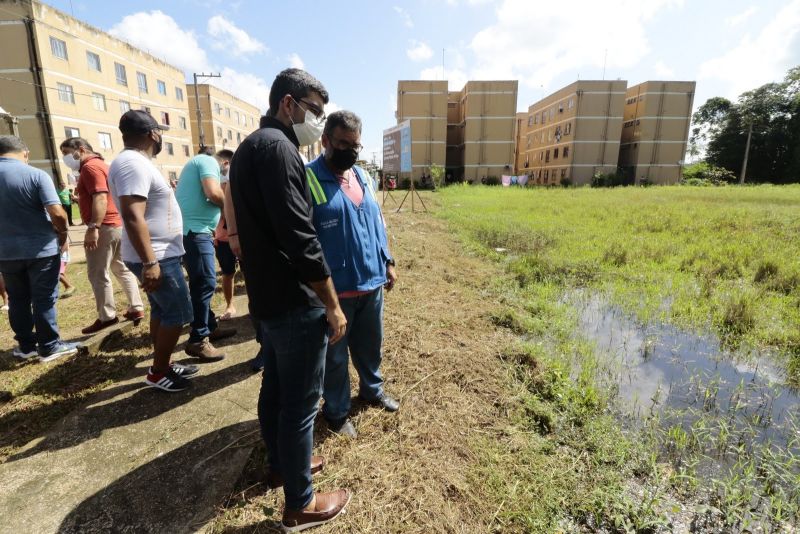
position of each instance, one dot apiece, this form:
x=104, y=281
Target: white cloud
x=508, y=49
x=760, y=59
x=405, y=16
x=232, y=39
x=180, y=47
x=662, y=71
x=739, y=18
x=174, y=45
x=296, y=62
x=419, y=51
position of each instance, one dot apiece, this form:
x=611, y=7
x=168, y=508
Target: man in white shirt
x=152, y=243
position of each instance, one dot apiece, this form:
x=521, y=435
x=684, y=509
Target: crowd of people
x=309, y=238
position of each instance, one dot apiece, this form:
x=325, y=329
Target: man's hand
x=151, y=277
x=337, y=323
x=236, y=248
x=391, y=277
x=90, y=239
x=63, y=241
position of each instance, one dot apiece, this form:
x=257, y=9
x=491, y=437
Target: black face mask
x=343, y=159
x=158, y=146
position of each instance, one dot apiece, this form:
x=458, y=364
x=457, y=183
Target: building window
x=237, y=119
x=179, y=93
x=219, y=131
x=544, y=116
x=541, y=155
x=93, y=60
x=105, y=140
x=566, y=151
x=571, y=103
x=555, y=153
x=568, y=128
x=230, y=135
x=124, y=106
x=552, y=112
x=546, y=175
x=530, y=120
x=536, y=119
x=146, y=109
x=561, y=107
x=547, y=157
x=238, y=137
x=65, y=93
x=169, y=148
x=182, y=122
x=142, y=81
x=186, y=150
x=217, y=108
x=162, y=87
x=228, y=112
x=69, y=131
x=563, y=173
x=122, y=75
x=550, y=134
x=59, y=48
x=165, y=118
x=529, y=142
x=99, y=101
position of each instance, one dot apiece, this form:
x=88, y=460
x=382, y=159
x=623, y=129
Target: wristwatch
x=92, y=226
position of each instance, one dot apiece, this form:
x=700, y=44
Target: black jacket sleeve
x=287, y=199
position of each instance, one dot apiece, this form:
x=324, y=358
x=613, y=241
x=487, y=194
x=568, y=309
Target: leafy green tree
x=437, y=175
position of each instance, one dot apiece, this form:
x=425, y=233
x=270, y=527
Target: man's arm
x=212, y=190
x=99, y=208
x=230, y=221
x=132, y=210
x=59, y=219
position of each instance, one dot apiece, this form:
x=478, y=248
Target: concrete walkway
x=134, y=459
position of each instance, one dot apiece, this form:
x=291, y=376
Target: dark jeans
x=363, y=338
x=202, y=270
x=32, y=287
x=294, y=357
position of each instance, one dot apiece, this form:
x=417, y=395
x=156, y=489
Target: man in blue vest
x=352, y=233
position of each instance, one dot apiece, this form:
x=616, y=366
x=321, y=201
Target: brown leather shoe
x=275, y=480
x=99, y=325
x=205, y=351
x=221, y=333
x=327, y=507
x=134, y=315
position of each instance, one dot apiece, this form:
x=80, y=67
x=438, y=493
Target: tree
x=437, y=175
x=772, y=113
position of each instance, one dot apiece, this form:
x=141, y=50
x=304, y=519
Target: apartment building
x=227, y=120
x=520, y=133
x=574, y=133
x=480, y=141
x=424, y=103
x=468, y=132
x=655, y=130
x=63, y=78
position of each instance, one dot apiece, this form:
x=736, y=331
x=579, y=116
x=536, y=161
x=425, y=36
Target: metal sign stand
x=385, y=194
x=412, y=191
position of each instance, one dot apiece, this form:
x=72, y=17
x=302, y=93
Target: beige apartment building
x=469, y=132
x=481, y=119
x=424, y=103
x=655, y=131
x=573, y=133
x=520, y=133
x=227, y=120
x=62, y=78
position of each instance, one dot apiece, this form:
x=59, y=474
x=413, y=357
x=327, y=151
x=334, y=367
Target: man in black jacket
x=289, y=288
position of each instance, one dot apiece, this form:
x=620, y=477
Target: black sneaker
x=186, y=371
x=169, y=381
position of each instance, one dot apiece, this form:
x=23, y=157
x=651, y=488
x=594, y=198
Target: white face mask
x=71, y=162
x=310, y=131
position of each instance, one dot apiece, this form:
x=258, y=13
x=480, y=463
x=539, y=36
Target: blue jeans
x=170, y=303
x=202, y=271
x=32, y=287
x=294, y=366
x=364, y=339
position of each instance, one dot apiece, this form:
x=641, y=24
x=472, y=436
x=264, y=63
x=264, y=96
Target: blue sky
x=359, y=49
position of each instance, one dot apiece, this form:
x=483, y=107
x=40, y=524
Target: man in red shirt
x=103, y=234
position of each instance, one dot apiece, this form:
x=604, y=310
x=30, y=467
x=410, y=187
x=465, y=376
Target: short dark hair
x=206, y=151
x=346, y=120
x=295, y=82
x=225, y=154
x=10, y=144
x=74, y=143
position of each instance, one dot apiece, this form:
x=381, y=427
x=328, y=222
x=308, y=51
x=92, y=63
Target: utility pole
x=746, y=154
x=201, y=133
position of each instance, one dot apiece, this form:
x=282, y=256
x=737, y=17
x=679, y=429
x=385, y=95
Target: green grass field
x=708, y=260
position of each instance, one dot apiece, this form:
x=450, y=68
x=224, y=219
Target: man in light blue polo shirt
x=200, y=197
x=33, y=231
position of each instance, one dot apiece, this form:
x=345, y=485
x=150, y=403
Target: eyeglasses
x=342, y=145
x=318, y=113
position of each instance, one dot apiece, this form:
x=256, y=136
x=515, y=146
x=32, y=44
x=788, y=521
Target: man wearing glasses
x=290, y=290
x=350, y=226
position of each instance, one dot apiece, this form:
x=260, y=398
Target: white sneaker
x=24, y=355
x=62, y=349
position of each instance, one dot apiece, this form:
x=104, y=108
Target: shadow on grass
x=141, y=405
x=177, y=492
